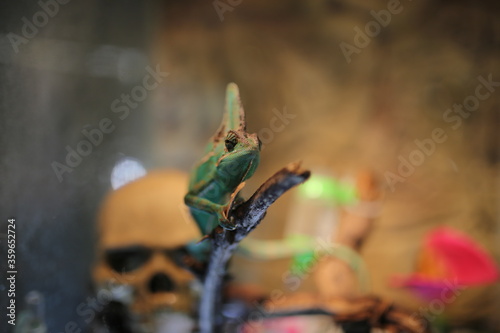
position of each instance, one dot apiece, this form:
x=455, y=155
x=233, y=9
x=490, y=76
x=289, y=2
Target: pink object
x=426, y=288
x=466, y=260
x=449, y=260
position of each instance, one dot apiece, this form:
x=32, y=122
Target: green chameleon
x=231, y=158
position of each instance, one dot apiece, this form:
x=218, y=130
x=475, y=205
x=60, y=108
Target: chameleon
x=231, y=157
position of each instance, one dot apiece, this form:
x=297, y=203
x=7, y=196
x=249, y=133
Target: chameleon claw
x=238, y=201
x=227, y=224
x=224, y=221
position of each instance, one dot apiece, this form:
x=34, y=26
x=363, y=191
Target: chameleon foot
x=227, y=224
x=234, y=201
x=224, y=221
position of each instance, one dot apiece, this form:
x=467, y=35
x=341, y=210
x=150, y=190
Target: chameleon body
x=231, y=157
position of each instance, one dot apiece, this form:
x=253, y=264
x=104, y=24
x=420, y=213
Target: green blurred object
x=329, y=189
x=302, y=263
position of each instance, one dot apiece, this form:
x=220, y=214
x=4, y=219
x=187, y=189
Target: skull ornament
x=143, y=228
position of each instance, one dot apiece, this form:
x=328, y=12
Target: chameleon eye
x=231, y=141
x=230, y=144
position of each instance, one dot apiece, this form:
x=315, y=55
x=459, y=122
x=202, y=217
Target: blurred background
x=353, y=90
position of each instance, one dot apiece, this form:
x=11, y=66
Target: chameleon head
x=240, y=158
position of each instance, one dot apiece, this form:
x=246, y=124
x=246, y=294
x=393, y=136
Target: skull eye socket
x=177, y=255
x=124, y=260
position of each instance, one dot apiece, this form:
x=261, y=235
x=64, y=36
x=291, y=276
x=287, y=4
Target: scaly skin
x=231, y=158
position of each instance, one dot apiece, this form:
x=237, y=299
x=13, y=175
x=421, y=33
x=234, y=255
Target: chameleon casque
x=231, y=157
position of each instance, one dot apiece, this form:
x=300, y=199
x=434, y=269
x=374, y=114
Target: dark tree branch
x=246, y=216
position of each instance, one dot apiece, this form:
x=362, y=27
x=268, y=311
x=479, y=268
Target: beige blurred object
x=356, y=222
x=150, y=211
x=335, y=277
x=147, y=215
